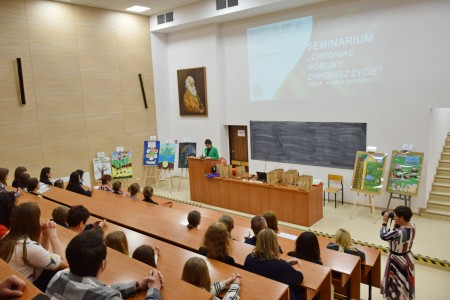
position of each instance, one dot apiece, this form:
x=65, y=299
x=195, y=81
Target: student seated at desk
x=216, y=243
x=33, y=187
x=147, y=255
x=106, y=183
x=307, y=248
x=117, y=189
x=59, y=183
x=7, y=206
x=229, y=222
x=19, y=171
x=343, y=243
x=86, y=254
x=46, y=174
x=134, y=189
x=257, y=224
x=117, y=240
x=271, y=220
x=265, y=261
x=20, y=248
x=148, y=193
x=74, y=185
x=77, y=218
x=194, y=217
x=59, y=215
x=196, y=272
x=23, y=181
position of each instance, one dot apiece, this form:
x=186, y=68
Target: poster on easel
x=368, y=172
x=151, y=153
x=166, y=157
x=186, y=150
x=102, y=166
x=121, y=164
x=404, y=173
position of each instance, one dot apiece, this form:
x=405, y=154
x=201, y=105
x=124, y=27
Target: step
x=438, y=205
x=440, y=196
x=442, y=179
x=444, y=163
x=441, y=187
x=445, y=155
x=436, y=213
x=443, y=171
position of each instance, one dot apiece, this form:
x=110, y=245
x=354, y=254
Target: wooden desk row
x=167, y=225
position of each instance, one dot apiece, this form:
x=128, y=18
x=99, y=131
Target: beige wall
x=81, y=67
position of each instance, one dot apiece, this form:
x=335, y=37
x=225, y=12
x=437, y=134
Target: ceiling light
x=138, y=8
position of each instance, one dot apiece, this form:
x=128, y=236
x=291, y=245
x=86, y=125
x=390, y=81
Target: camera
x=391, y=214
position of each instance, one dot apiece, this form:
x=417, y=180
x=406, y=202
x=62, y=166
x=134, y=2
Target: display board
x=327, y=144
x=186, y=150
x=368, y=172
x=151, y=153
x=121, y=165
x=102, y=166
x=166, y=157
x=404, y=173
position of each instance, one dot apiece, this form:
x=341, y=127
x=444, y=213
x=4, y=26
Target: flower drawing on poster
x=121, y=165
x=166, y=158
x=151, y=153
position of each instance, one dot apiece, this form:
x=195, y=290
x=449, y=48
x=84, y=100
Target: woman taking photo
x=25, y=247
x=398, y=280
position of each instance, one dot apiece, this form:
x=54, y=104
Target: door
x=238, y=146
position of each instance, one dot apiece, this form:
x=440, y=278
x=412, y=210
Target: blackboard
x=326, y=144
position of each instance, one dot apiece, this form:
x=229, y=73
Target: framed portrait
x=192, y=92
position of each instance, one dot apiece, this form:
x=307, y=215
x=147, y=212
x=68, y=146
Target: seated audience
x=46, y=174
x=147, y=255
x=3, y=178
x=33, y=187
x=74, y=185
x=11, y=287
x=194, y=217
x=19, y=171
x=307, y=248
x=7, y=206
x=118, y=241
x=216, y=243
x=86, y=254
x=265, y=261
x=134, y=190
x=26, y=247
x=59, y=215
x=196, y=272
x=81, y=172
x=148, y=193
x=117, y=188
x=106, y=183
x=257, y=224
x=272, y=220
x=229, y=222
x=23, y=181
x=77, y=218
x=343, y=243
x=59, y=183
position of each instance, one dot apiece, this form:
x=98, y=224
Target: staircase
x=439, y=200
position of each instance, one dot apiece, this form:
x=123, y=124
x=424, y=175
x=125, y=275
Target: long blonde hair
x=196, y=272
x=343, y=238
x=216, y=240
x=118, y=241
x=266, y=245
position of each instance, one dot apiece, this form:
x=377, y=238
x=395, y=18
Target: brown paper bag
x=224, y=171
x=280, y=173
x=288, y=178
x=272, y=178
x=305, y=182
x=240, y=171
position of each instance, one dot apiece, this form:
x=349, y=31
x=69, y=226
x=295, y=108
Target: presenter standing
x=210, y=151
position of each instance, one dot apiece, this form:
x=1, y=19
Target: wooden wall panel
x=81, y=67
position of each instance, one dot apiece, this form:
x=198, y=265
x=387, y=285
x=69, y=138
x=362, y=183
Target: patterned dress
x=398, y=280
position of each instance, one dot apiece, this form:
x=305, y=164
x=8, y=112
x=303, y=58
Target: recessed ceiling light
x=138, y=8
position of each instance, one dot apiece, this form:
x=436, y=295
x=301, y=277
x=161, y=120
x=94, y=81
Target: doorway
x=237, y=135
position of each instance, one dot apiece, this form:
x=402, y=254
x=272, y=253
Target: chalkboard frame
x=324, y=144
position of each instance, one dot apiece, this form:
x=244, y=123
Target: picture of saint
x=192, y=91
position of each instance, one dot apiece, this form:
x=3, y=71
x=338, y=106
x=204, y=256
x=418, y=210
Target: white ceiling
x=157, y=6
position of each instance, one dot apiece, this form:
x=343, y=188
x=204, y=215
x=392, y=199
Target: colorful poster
x=368, y=172
x=166, y=157
x=186, y=150
x=151, y=153
x=102, y=166
x=404, y=173
x=121, y=165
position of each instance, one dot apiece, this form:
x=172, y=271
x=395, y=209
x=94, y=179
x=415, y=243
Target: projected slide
x=315, y=56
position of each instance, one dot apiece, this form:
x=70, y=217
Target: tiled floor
x=432, y=239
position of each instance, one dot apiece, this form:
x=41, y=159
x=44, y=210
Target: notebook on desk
x=262, y=176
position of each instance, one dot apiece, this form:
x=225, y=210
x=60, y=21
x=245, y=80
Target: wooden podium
x=289, y=203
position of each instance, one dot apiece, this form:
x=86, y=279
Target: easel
x=186, y=171
x=151, y=172
x=159, y=178
x=404, y=197
x=371, y=202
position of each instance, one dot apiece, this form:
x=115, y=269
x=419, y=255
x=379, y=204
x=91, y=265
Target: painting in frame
x=192, y=96
x=368, y=172
x=404, y=173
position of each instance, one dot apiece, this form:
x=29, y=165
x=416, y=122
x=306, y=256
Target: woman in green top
x=210, y=151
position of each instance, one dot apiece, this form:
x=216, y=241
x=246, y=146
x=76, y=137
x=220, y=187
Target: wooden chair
x=333, y=189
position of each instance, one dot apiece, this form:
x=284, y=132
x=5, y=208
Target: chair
x=333, y=189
